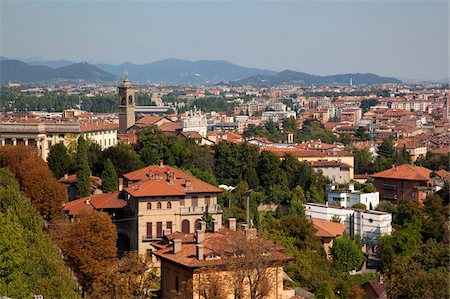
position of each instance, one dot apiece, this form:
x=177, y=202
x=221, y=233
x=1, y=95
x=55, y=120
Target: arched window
x=185, y=226
x=158, y=205
x=169, y=205
x=149, y=206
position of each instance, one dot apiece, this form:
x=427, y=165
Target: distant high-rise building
x=351, y=82
x=127, y=106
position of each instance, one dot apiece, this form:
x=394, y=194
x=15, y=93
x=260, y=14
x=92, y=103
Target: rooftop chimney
x=176, y=245
x=232, y=224
x=161, y=163
x=215, y=226
x=200, y=236
x=120, y=184
x=200, y=255
x=202, y=225
x=66, y=176
x=188, y=184
x=244, y=226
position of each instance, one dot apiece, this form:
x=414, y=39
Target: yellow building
x=223, y=263
x=164, y=199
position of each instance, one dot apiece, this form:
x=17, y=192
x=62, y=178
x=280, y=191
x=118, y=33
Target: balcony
x=146, y=238
x=213, y=209
x=389, y=187
x=390, y=196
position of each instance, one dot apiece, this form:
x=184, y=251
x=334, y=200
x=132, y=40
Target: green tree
x=290, y=124
x=83, y=183
x=387, y=149
x=29, y=262
x=298, y=198
x=109, y=178
x=58, y=160
x=269, y=171
x=347, y=255
x=207, y=217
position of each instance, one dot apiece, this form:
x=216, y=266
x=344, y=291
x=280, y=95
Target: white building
x=370, y=225
x=277, y=115
x=195, y=122
x=348, y=198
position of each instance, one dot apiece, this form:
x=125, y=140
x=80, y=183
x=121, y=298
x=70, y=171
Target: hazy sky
x=406, y=39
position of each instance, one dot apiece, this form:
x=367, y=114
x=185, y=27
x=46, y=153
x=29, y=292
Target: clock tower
x=127, y=105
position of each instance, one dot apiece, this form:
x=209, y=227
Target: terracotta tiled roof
x=214, y=244
x=191, y=134
x=443, y=174
x=148, y=120
x=329, y=164
x=170, y=126
x=154, y=181
x=328, y=228
x=96, y=201
x=405, y=172
x=92, y=127
x=280, y=152
x=72, y=178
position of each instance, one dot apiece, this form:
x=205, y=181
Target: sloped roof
x=214, y=244
x=148, y=120
x=154, y=181
x=328, y=228
x=405, y=172
x=96, y=201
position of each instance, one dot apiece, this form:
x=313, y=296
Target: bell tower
x=127, y=105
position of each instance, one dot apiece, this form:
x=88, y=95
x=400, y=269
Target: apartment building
x=404, y=181
x=369, y=225
x=161, y=197
x=350, y=197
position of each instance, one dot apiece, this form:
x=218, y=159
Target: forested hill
x=288, y=77
x=19, y=71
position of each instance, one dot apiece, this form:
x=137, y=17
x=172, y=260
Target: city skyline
x=403, y=39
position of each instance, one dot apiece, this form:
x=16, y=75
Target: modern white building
x=195, y=122
x=348, y=198
x=370, y=225
x=277, y=115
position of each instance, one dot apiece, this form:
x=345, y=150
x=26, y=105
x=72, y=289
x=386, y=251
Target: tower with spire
x=127, y=105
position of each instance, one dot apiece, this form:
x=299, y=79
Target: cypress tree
x=83, y=183
x=109, y=177
x=58, y=160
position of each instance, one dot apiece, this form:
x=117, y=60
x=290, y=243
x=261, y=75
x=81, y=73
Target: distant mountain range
x=19, y=71
x=179, y=71
x=290, y=78
x=175, y=71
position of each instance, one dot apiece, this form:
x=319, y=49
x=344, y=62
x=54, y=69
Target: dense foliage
x=35, y=179
x=29, y=263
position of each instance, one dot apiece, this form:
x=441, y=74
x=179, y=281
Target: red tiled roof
x=214, y=244
x=191, y=134
x=328, y=228
x=170, y=126
x=329, y=164
x=154, y=181
x=92, y=127
x=72, y=178
x=96, y=201
x=405, y=172
x=148, y=120
x=280, y=152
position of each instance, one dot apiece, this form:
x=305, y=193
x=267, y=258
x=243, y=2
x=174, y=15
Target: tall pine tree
x=83, y=183
x=109, y=177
